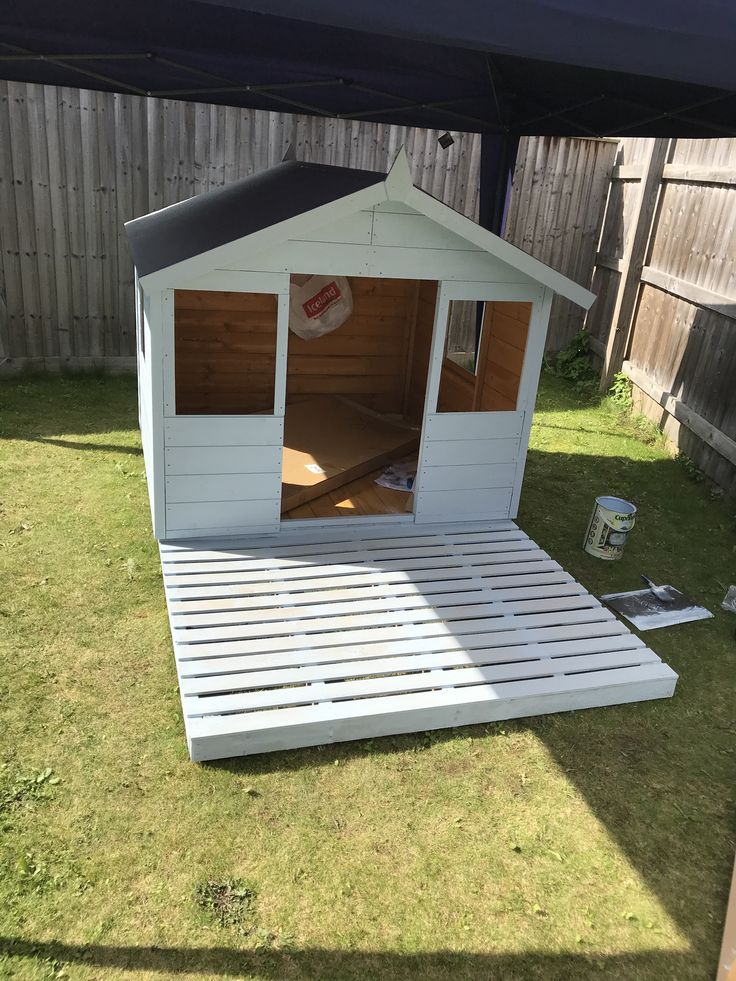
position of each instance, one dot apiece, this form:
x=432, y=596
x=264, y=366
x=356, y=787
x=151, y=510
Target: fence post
x=635, y=250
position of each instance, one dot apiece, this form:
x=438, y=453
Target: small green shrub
x=573, y=363
x=691, y=469
x=620, y=392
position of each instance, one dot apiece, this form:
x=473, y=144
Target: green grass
x=592, y=844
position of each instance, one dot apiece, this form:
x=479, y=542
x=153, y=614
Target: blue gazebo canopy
x=505, y=67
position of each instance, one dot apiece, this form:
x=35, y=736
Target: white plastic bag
x=319, y=304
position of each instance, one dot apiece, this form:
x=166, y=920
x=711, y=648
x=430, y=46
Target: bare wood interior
x=225, y=349
x=224, y=352
x=361, y=496
x=225, y=346
x=494, y=386
x=330, y=441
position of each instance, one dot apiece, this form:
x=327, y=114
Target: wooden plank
x=415, y=231
x=249, y=654
x=473, y=425
x=355, y=229
x=627, y=172
x=329, y=442
x=192, y=489
x=534, y=587
x=633, y=261
x=699, y=174
x=223, y=736
x=214, y=514
x=223, y=431
x=692, y=292
x=439, y=504
x=463, y=452
x=349, y=544
x=562, y=596
x=198, y=573
x=468, y=477
x=358, y=260
x=367, y=628
x=500, y=577
x=222, y=459
x=615, y=265
x=268, y=566
x=197, y=677
x=294, y=535
x=415, y=682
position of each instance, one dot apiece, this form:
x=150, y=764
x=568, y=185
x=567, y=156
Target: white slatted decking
x=314, y=637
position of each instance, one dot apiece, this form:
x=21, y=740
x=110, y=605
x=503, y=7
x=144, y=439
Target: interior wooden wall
x=365, y=359
x=502, y=354
x=418, y=355
x=495, y=385
x=225, y=350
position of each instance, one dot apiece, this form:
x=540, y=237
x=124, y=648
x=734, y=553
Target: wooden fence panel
x=75, y=165
x=681, y=351
x=560, y=187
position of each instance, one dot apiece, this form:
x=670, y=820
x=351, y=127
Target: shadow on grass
x=43, y=407
x=75, y=445
x=338, y=965
x=656, y=775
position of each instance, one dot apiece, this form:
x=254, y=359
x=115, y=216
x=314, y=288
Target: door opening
x=355, y=401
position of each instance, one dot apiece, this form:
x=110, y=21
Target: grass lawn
x=591, y=844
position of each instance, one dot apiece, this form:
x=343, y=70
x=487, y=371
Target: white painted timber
x=459, y=452
x=467, y=502
x=224, y=430
x=204, y=515
x=237, y=458
x=392, y=262
x=474, y=425
x=191, y=488
x=355, y=229
x=417, y=232
x=468, y=477
x=321, y=635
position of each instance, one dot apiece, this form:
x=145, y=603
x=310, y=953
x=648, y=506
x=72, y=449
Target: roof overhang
x=397, y=186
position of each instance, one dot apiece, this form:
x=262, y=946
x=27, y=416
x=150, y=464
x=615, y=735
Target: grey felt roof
x=204, y=222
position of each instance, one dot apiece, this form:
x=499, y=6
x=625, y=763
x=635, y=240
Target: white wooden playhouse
x=308, y=602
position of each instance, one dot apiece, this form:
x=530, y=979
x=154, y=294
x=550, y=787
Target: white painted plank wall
x=468, y=465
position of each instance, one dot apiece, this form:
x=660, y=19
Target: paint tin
x=611, y=521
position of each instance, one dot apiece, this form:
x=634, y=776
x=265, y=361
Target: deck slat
x=563, y=585
x=330, y=633
x=591, y=620
x=480, y=616
x=202, y=677
x=266, y=564
x=346, y=532
x=231, y=735
x=562, y=598
x=322, y=549
x=412, y=682
x=417, y=570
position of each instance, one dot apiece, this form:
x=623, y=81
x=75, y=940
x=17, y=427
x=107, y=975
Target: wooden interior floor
x=359, y=497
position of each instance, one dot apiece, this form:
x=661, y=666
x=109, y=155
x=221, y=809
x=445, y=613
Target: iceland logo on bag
x=322, y=300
